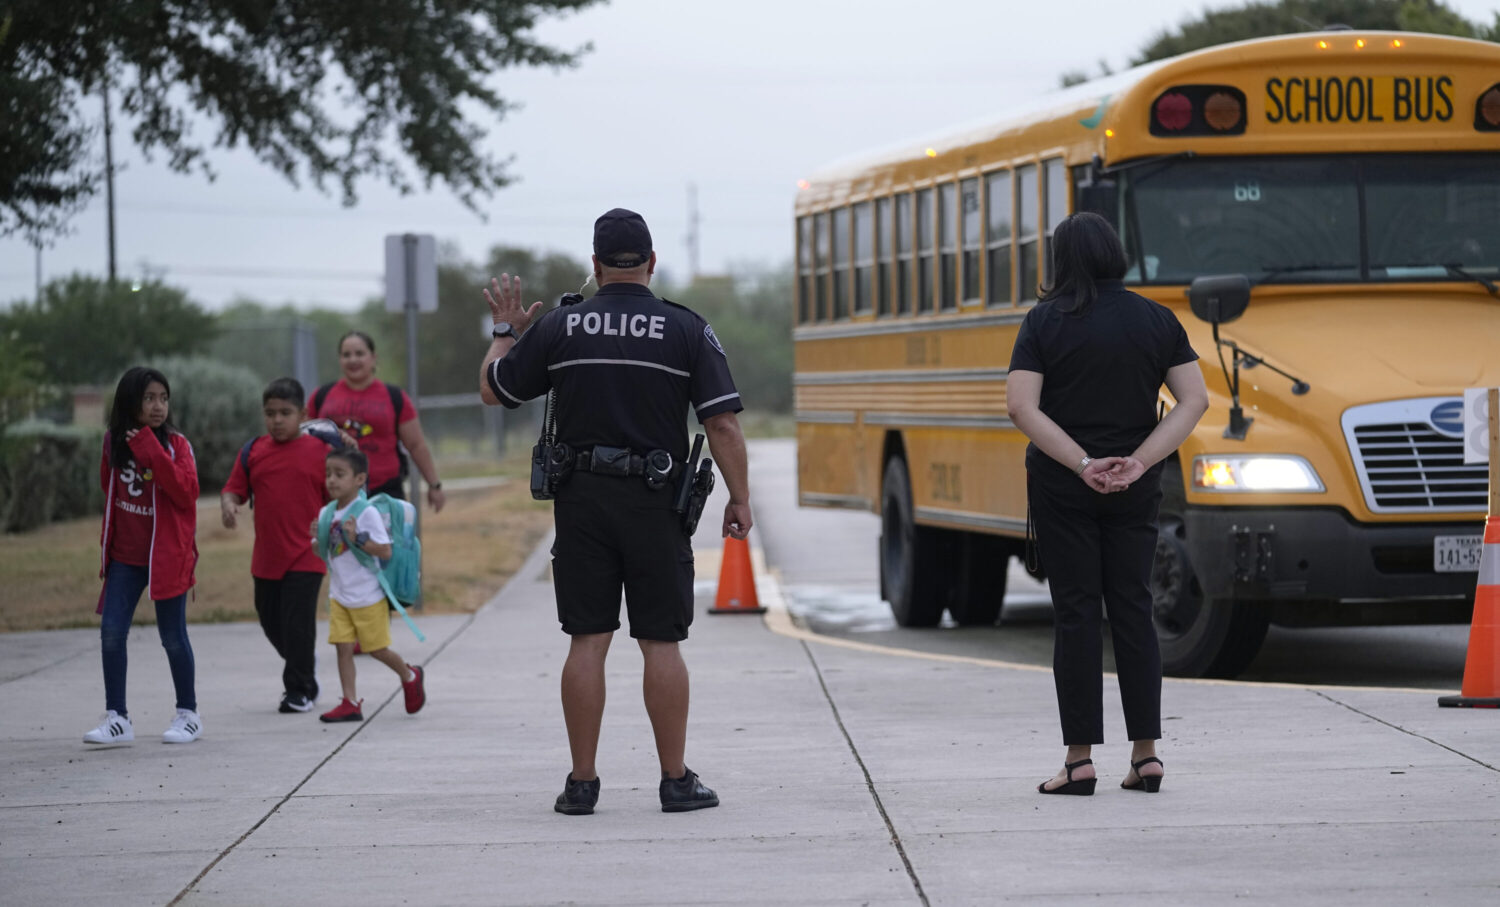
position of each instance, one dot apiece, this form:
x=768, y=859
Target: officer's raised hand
x=504, y=297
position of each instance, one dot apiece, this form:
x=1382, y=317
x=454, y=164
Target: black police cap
x=621, y=239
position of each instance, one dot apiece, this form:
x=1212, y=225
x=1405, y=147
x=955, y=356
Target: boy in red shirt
x=283, y=470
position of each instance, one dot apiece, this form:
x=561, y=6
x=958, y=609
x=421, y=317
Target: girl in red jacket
x=150, y=486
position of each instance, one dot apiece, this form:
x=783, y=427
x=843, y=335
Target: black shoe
x=678, y=795
x=295, y=702
x=578, y=797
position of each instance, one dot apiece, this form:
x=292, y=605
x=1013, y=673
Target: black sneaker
x=295, y=702
x=678, y=795
x=578, y=797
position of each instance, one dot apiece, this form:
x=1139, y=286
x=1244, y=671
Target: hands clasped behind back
x=1111, y=474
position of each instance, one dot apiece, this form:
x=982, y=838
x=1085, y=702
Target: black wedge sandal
x=1148, y=783
x=1083, y=787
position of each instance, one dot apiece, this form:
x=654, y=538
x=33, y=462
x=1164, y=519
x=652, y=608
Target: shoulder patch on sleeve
x=708, y=332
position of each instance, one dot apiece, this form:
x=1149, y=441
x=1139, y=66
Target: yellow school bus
x=1331, y=201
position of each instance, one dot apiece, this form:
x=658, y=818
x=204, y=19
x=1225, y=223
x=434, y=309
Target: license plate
x=1456, y=553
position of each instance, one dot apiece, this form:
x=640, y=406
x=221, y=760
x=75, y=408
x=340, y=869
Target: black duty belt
x=620, y=461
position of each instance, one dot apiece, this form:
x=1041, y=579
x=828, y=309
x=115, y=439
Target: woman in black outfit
x=1088, y=364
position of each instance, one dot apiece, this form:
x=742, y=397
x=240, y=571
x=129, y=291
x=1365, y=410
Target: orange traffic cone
x=1481, y=689
x=736, y=581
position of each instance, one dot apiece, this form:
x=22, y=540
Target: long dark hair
x=1084, y=250
x=130, y=395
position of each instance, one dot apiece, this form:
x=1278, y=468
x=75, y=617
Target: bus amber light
x=932, y=152
x=1222, y=111
x=1214, y=475
x=1109, y=133
x=1396, y=42
x=1359, y=43
x=1322, y=45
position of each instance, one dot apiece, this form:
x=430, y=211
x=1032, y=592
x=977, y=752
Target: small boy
x=283, y=469
x=356, y=602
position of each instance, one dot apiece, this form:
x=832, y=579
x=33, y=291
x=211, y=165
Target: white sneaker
x=186, y=728
x=113, y=728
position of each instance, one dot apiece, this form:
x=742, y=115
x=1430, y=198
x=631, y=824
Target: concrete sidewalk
x=848, y=775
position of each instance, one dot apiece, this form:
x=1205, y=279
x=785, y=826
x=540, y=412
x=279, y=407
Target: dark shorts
x=613, y=532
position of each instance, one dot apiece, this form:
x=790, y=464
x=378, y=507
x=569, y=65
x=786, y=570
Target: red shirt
x=368, y=416
x=134, y=516
x=287, y=481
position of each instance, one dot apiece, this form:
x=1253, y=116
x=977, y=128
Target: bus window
x=1055, y=182
x=925, y=216
x=1027, y=241
x=999, y=214
x=804, y=268
x=840, y=263
x=864, y=257
x=968, y=196
x=948, y=246
x=903, y=253
x=820, y=278
x=884, y=221
x=1426, y=212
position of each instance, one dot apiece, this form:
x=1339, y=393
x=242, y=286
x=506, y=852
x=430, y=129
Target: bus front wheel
x=1199, y=635
x=909, y=554
x=979, y=580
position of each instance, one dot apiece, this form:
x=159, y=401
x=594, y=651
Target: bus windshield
x=1313, y=219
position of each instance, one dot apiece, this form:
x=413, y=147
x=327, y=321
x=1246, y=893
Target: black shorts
x=613, y=532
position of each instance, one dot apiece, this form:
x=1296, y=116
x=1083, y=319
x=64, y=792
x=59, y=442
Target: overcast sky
x=741, y=99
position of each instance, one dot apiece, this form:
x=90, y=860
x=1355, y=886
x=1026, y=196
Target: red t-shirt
x=287, y=480
x=134, y=517
x=368, y=416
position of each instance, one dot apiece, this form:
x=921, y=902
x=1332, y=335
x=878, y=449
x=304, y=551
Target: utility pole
x=109, y=181
x=39, y=273
x=692, y=232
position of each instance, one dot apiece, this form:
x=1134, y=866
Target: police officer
x=1085, y=374
x=625, y=366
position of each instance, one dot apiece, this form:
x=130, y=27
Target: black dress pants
x=288, y=611
x=1098, y=549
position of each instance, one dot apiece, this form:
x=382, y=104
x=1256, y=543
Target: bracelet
x=436, y=486
x=1082, y=465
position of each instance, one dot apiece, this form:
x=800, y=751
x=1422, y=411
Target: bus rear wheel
x=910, y=568
x=1199, y=635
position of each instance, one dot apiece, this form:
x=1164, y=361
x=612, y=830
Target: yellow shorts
x=370, y=626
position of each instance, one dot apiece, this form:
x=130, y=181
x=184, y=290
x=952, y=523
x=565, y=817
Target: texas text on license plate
x=1456, y=553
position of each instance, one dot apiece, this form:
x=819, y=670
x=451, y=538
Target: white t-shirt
x=351, y=583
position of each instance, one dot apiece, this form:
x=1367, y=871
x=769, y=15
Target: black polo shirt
x=626, y=366
x=1103, y=367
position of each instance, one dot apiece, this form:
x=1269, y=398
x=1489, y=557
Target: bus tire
x=1199, y=635
x=910, y=566
x=979, y=587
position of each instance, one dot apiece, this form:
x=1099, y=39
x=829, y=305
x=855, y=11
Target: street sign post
x=411, y=287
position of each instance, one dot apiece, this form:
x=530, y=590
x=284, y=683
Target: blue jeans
x=123, y=585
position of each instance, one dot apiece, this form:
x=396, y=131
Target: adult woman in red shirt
x=377, y=416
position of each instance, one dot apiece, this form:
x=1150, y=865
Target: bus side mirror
x=1102, y=197
x=1220, y=299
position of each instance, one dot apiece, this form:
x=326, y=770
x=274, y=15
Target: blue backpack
x=400, y=575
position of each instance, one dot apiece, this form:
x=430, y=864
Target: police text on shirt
x=605, y=323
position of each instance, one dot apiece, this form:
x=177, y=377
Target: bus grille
x=1408, y=466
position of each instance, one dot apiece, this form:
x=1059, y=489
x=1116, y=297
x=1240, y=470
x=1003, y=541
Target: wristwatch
x=1082, y=465
x=504, y=329
x=361, y=539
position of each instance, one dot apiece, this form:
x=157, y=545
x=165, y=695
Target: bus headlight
x=1255, y=474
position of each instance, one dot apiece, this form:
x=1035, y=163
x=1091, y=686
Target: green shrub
x=47, y=473
x=218, y=407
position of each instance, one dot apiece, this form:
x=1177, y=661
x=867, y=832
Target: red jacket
x=174, y=497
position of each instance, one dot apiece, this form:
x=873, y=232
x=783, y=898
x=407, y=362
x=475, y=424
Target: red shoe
x=345, y=711
x=415, y=690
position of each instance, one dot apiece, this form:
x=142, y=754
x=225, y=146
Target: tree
x=87, y=331
x=407, y=79
x=1263, y=19
x=20, y=379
